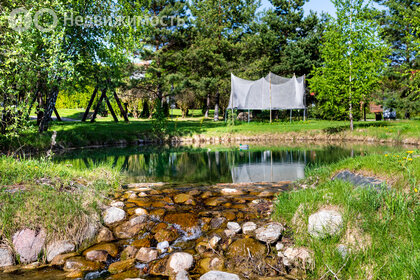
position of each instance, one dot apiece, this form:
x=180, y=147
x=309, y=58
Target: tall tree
x=400, y=29
x=353, y=61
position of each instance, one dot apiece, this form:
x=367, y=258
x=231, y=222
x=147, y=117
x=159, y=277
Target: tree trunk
x=206, y=115
x=216, y=107
x=43, y=126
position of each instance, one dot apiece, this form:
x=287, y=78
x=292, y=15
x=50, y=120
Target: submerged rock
x=128, y=253
x=121, y=266
x=80, y=264
x=208, y=264
x=110, y=248
x=269, y=233
x=186, y=221
x=59, y=247
x=28, y=244
x=130, y=228
x=241, y=248
x=325, y=223
x=219, y=275
x=113, y=215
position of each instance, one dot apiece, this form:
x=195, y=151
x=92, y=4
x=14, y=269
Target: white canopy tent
x=272, y=92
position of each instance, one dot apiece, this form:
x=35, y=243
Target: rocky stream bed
x=157, y=231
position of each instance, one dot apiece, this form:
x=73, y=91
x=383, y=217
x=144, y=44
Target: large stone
x=80, y=264
x=325, y=223
x=241, y=248
x=217, y=222
x=182, y=275
x=59, y=247
x=230, y=191
x=219, y=275
x=61, y=259
x=147, y=255
x=28, y=244
x=234, y=227
x=97, y=256
x=143, y=242
x=182, y=198
x=113, y=215
x=249, y=227
x=105, y=235
x=130, y=228
x=110, y=248
x=186, y=221
x=269, y=233
x=128, y=253
x=121, y=266
x=166, y=235
x=6, y=257
x=180, y=261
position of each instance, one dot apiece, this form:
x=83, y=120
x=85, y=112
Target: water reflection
x=214, y=165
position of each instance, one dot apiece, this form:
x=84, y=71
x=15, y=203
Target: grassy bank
x=77, y=134
x=63, y=200
x=381, y=229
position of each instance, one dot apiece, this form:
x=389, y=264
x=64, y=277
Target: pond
x=217, y=164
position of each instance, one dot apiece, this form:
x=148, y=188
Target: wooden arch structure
x=104, y=96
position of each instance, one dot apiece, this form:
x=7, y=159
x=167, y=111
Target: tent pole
x=248, y=115
x=271, y=118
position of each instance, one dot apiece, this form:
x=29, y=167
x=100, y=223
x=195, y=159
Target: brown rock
x=97, y=256
x=140, y=202
x=121, y=266
x=182, y=197
x=128, y=253
x=166, y=235
x=159, y=267
x=229, y=215
x=143, y=242
x=185, y=220
x=75, y=274
x=61, y=259
x=215, y=201
x=240, y=248
x=147, y=255
x=208, y=264
x=81, y=264
x=167, y=199
x=131, y=228
x=105, y=235
x=110, y=248
x=131, y=274
x=207, y=194
x=158, y=204
x=159, y=227
x=158, y=213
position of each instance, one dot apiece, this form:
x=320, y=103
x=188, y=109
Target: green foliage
x=353, y=62
x=160, y=123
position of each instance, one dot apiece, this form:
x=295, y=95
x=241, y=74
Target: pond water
x=216, y=164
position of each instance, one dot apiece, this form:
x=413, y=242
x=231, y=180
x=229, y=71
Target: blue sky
x=315, y=5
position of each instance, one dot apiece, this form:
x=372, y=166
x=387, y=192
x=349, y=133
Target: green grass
x=386, y=223
x=107, y=132
x=59, y=198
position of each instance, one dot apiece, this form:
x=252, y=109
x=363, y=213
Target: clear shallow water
x=216, y=164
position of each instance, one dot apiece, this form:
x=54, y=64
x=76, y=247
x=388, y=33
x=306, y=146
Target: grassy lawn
x=59, y=198
x=107, y=132
x=380, y=228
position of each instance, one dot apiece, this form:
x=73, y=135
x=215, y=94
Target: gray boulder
x=325, y=223
x=59, y=247
x=113, y=215
x=28, y=244
x=6, y=257
x=269, y=233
